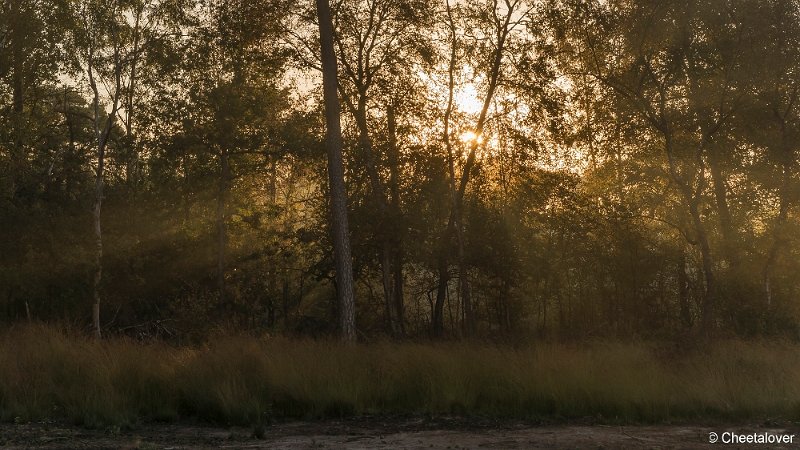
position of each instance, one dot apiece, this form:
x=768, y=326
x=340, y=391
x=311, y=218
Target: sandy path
x=384, y=434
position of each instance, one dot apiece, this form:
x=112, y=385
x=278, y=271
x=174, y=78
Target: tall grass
x=45, y=373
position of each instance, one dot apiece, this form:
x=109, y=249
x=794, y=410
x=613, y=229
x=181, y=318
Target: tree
x=107, y=47
x=374, y=39
x=778, y=117
x=31, y=34
x=684, y=90
x=338, y=195
x=495, y=25
x=102, y=57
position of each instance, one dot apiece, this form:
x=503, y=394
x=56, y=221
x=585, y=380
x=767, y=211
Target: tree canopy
x=510, y=168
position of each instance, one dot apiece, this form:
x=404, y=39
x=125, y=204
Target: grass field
x=46, y=374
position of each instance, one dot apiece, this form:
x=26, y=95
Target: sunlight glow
x=468, y=137
x=466, y=99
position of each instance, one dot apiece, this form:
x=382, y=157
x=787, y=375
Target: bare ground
x=373, y=433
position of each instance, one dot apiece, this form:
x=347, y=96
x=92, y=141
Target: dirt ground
x=372, y=433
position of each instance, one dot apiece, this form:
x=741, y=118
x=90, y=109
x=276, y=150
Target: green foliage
x=638, y=175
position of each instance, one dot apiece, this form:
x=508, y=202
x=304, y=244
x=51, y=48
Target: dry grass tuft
x=46, y=373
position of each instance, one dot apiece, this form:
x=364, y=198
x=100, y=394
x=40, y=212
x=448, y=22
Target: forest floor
x=377, y=433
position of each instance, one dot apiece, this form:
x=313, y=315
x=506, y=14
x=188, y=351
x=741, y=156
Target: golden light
x=469, y=137
x=467, y=100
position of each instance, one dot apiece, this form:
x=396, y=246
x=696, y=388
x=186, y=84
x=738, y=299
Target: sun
x=469, y=137
x=467, y=96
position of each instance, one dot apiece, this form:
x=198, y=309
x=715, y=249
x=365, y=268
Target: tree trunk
x=102, y=135
x=383, y=233
x=398, y=288
x=709, y=298
x=468, y=325
x=333, y=137
x=102, y=140
x=272, y=272
x=437, y=316
x=387, y=277
x=186, y=190
x=396, y=237
x=785, y=193
x=691, y=198
x=774, y=249
x=222, y=229
x=683, y=293
x=98, y=240
x=723, y=210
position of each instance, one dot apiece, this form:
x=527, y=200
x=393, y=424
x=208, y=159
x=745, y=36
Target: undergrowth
x=47, y=374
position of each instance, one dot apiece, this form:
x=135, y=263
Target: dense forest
x=512, y=169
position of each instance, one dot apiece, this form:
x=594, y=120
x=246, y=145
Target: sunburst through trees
x=558, y=168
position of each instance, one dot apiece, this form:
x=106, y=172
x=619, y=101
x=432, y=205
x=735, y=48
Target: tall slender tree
x=340, y=232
